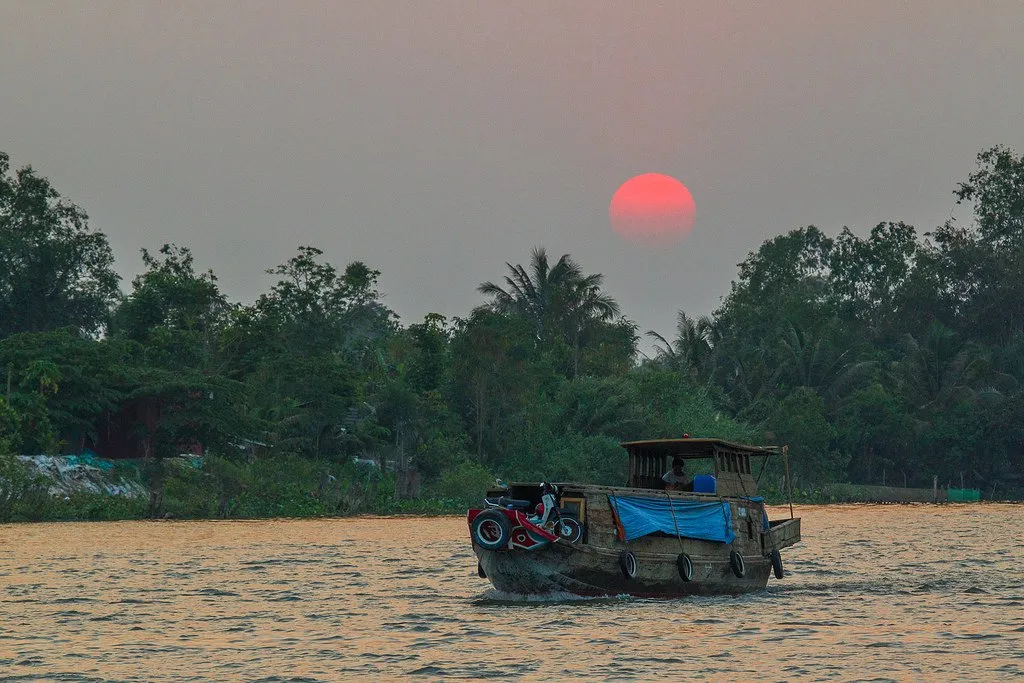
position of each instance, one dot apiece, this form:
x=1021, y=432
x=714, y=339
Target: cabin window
x=575, y=507
x=646, y=468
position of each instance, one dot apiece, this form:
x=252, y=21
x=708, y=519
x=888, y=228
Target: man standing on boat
x=675, y=479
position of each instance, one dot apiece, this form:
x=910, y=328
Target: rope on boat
x=672, y=509
x=764, y=466
x=726, y=510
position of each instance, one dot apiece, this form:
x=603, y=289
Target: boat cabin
x=734, y=466
x=734, y=473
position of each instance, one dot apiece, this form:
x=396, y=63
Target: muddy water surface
x=874, y=593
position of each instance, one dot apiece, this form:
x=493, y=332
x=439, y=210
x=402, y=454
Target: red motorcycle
x=505, y=525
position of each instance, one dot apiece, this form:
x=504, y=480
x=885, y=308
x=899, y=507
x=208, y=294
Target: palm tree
x=747, y=380
x=533, y=294
x=557, y=299
x=939, y=369
x=817, y=360
x=693, y=348
x=584, y=307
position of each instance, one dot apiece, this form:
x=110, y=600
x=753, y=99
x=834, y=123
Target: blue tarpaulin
x=764, y=512
x=642, y=516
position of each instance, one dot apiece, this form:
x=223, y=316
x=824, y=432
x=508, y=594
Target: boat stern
x=781, y=534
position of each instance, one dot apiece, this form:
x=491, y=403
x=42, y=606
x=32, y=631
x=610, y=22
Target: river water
x=873, y=593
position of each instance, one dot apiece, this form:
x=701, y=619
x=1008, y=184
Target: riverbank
x=83, y=488
x=73, y=488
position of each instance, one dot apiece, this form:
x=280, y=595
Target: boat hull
x=563, y=568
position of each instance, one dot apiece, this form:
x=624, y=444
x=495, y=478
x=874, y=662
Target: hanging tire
x=739, y=568
x=480, y=571
x=627, y=562
x=570, y=530
x=777, y=564
x=490, y=530
x=685, y=566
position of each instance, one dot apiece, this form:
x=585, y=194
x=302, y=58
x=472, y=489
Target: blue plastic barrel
x=704, y=483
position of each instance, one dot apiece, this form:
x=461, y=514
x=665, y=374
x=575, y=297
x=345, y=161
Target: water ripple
x=873, y=594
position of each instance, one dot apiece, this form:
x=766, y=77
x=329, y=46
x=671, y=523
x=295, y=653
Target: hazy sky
x=437, y=140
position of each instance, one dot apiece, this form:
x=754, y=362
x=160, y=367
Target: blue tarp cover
x=642, y=516
x=764, y=512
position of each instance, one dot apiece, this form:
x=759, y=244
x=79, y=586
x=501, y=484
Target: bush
x=15, y=484
x=463, y=485
x=188, y=492
x=40, y=506
x=423, y=506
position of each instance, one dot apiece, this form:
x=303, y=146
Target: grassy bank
x=98, y=507
x=857, y=493
x=217, y=488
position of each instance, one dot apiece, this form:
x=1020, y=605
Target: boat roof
x=695, y=447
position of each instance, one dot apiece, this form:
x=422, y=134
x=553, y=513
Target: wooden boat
x=639, y=539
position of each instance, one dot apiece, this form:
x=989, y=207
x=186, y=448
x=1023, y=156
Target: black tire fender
x=491, y=530
x=739, y=567
x=480, y=571
x=628, y=564
x=685, y=566
x=777, y=564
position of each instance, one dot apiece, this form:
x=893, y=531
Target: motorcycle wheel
x=570, y=530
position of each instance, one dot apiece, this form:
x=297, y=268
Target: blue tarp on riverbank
x=643, y=516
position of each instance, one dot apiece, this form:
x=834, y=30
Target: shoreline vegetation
x=103, y=507
x=894, y=357
x=197, y=489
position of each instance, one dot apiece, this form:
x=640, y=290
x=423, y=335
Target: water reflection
x=873, y=593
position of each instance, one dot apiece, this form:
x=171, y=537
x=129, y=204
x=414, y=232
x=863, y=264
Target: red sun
x=653, y=209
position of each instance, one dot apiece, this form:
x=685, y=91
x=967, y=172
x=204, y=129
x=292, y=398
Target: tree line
x=886, y=358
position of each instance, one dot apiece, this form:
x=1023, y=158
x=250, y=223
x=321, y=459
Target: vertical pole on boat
x=789, y=480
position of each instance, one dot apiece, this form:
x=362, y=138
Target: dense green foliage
x=885, y=358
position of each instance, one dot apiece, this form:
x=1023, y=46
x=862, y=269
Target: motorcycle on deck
x=492, y=529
